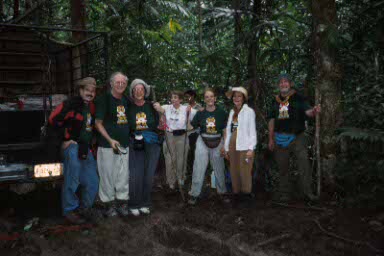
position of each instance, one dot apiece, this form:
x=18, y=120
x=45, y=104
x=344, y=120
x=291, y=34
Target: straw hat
x=241, y=89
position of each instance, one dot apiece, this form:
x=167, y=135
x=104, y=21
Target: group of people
x=131, y=131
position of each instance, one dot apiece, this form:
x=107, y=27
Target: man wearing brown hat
x=77, y=116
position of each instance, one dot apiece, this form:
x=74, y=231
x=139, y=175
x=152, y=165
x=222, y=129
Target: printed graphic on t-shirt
x=121, y=117
x=211, y=125
x=88, y=127
x=141, y=121
x=283, y=110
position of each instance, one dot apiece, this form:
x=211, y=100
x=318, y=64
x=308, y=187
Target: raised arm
x=158, y=108
x=313, y=111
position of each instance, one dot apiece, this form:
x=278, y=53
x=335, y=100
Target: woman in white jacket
x=240, y=141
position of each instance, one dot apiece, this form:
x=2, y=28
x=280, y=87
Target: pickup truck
x=37, y=72
x=29, y=150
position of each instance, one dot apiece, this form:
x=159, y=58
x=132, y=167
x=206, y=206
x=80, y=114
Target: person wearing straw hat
x=144, y=149
x=286, y=135
x=240, y=143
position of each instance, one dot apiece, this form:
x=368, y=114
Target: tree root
x=354, y=242
x=233, y=243
x=310, y=208
x=274, y=239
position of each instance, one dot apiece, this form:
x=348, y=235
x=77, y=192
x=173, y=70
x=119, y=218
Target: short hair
x=85, y=82
x=191, y=92
x=112, y=78
x=209, y=89
x=179, y=94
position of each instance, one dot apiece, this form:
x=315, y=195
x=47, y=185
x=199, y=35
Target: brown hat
x=241, y=89
x=86, y=81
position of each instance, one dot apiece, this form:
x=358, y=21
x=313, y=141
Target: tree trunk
x=254, y=44
x=16, y=7
x=1, y=9
x=78, y=21
x=327, y=79
x=236, y=5
x=200, y=25
x=28, y=4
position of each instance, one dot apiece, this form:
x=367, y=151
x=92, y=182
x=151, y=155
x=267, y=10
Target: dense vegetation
x=222, y=43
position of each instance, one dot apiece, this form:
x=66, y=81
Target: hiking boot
x=235, y=200
x=192, y=200
x=135, y=212
x=122, y=210
x=91, y=214
x=74, y=218
x=145, y=210
x=224, y=199
x=111, y=212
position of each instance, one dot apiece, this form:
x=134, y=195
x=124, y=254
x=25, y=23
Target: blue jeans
x=78, y=172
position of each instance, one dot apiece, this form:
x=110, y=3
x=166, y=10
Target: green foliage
x=367, y=135
x=360, y=176
x=172, y=44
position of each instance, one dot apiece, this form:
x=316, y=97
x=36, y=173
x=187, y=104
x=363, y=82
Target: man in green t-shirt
x=286, y=135
x=112, y=155
x=212, y=122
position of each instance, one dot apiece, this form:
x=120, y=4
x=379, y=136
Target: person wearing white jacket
x=240, y=141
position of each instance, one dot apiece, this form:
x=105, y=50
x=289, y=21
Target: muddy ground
x=209, y=228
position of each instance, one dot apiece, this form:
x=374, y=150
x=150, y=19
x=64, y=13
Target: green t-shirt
x=87, y=127
x=289, y=114
x=113, y=113
x=141, y=118
x=210, y=122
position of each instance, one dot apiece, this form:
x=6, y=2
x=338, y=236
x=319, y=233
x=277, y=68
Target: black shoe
x=123, y=210
x=235, y=200
x=74, y=218
x=91, y=214
x=192, y=200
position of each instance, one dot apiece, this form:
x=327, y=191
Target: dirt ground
x=209, y=228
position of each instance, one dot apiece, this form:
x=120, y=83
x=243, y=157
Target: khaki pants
x=175, y=158
x=299, y=148
x=203, y=156
x=114, y=175
x=240, y=169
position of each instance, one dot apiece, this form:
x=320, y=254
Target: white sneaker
x=135, y=212
x=145, y=210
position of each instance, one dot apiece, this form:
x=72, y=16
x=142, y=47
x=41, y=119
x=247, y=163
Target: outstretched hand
x=158, y=107
x=316, y=109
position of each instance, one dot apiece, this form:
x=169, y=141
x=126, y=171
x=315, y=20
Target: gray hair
x=112, y=78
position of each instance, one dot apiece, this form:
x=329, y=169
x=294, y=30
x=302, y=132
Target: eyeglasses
x=120, y=83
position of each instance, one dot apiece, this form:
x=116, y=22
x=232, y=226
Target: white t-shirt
x=177, y=118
